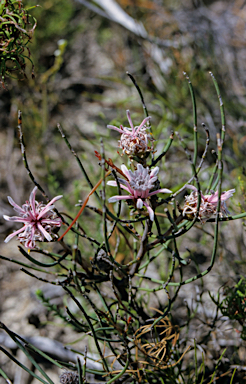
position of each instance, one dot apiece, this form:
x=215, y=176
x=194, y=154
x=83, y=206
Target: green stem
x=194, y=117
x=120, y=373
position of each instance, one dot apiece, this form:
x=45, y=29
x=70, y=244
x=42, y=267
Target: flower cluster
x=134, y=140
x=39, y=221
x=208, y=206
x=139, y=184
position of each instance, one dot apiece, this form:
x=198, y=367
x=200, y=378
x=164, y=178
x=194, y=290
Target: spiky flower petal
x=39, y=220
x=138, y=184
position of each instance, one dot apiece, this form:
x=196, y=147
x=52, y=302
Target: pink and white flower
x=134, y=140
x=39, y=220
x=139, y=185
x=208, y=206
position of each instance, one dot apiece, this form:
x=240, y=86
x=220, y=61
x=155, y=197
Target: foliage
x=132, y=339
x=234, y=304
x=15, y=36
x=122, y=276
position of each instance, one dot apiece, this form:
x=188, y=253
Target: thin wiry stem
x=84, y=366
x=222, y=111
x=19, y=341
x=39, y=278
x=46, y=265
x=143, y=104
x=100, y=316
x=22, y=264
x=179, y=284
x=222, y=132
x=215, y=169
x=89, y=323
x=193, y=168
x=206, y=148
x=24, y=158
x=64, y=136
x=139, y=92
x=80, y=372
x=83, y=206
x=190, y=225
x=77, y=325
x=22, y=366
x=105, y=229
x=200, y=164
x=142, y=249
x=83, y=234
x=194, y=117
x=166, y=148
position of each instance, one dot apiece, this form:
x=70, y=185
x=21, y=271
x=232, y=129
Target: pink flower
x=139, y=184
x=134, y=140
x=208, y=204
x=39, y=220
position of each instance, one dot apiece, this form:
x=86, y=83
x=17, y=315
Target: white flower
x=139, y=184
x=134, y=140
x=208, y=204
x=39, y=220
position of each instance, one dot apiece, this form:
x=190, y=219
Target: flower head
x=139, y=184
x=208, y=206
x=69, y=377
x=39, y=220
x=134, y=140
